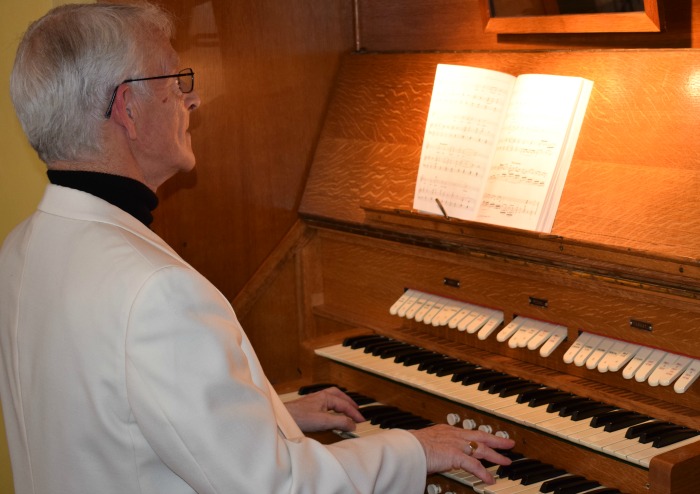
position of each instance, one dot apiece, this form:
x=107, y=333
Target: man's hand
x=311, y=412
x=448, y=448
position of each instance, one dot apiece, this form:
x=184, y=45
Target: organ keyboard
x=602, y=314
x=590, y=423
x=523, y=476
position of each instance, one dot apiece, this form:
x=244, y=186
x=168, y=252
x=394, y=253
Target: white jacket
x=123, y=370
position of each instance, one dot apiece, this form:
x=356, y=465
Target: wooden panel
x=417, y=25
x=363, y=277
x=634, y=177
x=264, y=69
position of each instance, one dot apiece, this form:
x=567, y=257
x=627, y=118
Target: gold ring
x=473, y=446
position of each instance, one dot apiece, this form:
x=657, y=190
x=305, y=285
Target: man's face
x=164, y=145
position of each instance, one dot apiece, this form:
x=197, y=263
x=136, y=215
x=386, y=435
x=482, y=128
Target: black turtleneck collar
x=126, y=193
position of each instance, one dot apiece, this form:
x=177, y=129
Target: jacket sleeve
x=202, y=402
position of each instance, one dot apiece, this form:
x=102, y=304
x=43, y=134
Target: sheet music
x=518, y=189
x=466, y=112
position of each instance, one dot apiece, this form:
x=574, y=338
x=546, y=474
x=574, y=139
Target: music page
x=466, y=112
x=531, y=161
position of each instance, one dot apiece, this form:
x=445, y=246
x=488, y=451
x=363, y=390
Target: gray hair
x=67, y=66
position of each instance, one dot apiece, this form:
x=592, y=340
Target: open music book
x=497, y=148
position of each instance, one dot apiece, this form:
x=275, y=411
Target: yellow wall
x=22, y=174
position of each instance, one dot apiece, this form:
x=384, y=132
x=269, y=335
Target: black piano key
x=651, y=435
x=494, y=386
x=356, y=342
x=408, y=423
x=420, y=357
x=402, y=355
x=398, y=350
x=496, y=377
x=478, y=375
x=612, y=416
x=504, y=471
x=312, y=388
x=675, y=437
x=558, y=483
x=463, y=371
x=376, y=348
x=445, y=367
x=428, y=364
x=370, y=411
x=540, y=393
x=589, y=412
x=379, y=417
x=521, y=473
x=518, y=388
x=557, y=405
x=637, y=430
x=576, y=404
x=360, y=399
x=624, y=423
x=557, y=397
x=541, y=476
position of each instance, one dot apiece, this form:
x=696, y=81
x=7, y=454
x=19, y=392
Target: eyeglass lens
x=185, y=80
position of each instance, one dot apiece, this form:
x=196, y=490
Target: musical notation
x=497, y=148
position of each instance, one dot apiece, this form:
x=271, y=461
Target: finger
x=475, y=467
x=327, y=421
x=339, y=402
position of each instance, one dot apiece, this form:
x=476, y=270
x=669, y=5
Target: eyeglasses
x=185, y=81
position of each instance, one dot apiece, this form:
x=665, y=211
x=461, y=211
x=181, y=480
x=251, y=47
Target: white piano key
x=588, y=347
x=576, y=347
x=662, y=369
x=649, y=365
x=636, y=362
x=688, y=377
x=611, y=356
x=557, y=338
x=596, y=355
x=509, y=330
x=394, y=309
x=601, y=439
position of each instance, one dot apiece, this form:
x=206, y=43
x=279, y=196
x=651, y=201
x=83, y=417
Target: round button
x=486, y=428
x=433, y=489
x=469, y=424
x=453, y=418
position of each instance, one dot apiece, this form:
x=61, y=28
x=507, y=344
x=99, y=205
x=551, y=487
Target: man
x=122, y=369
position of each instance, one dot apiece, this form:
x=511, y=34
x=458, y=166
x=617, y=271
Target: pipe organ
x=579, y=344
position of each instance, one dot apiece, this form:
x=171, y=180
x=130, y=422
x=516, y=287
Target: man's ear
x=124, y=110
